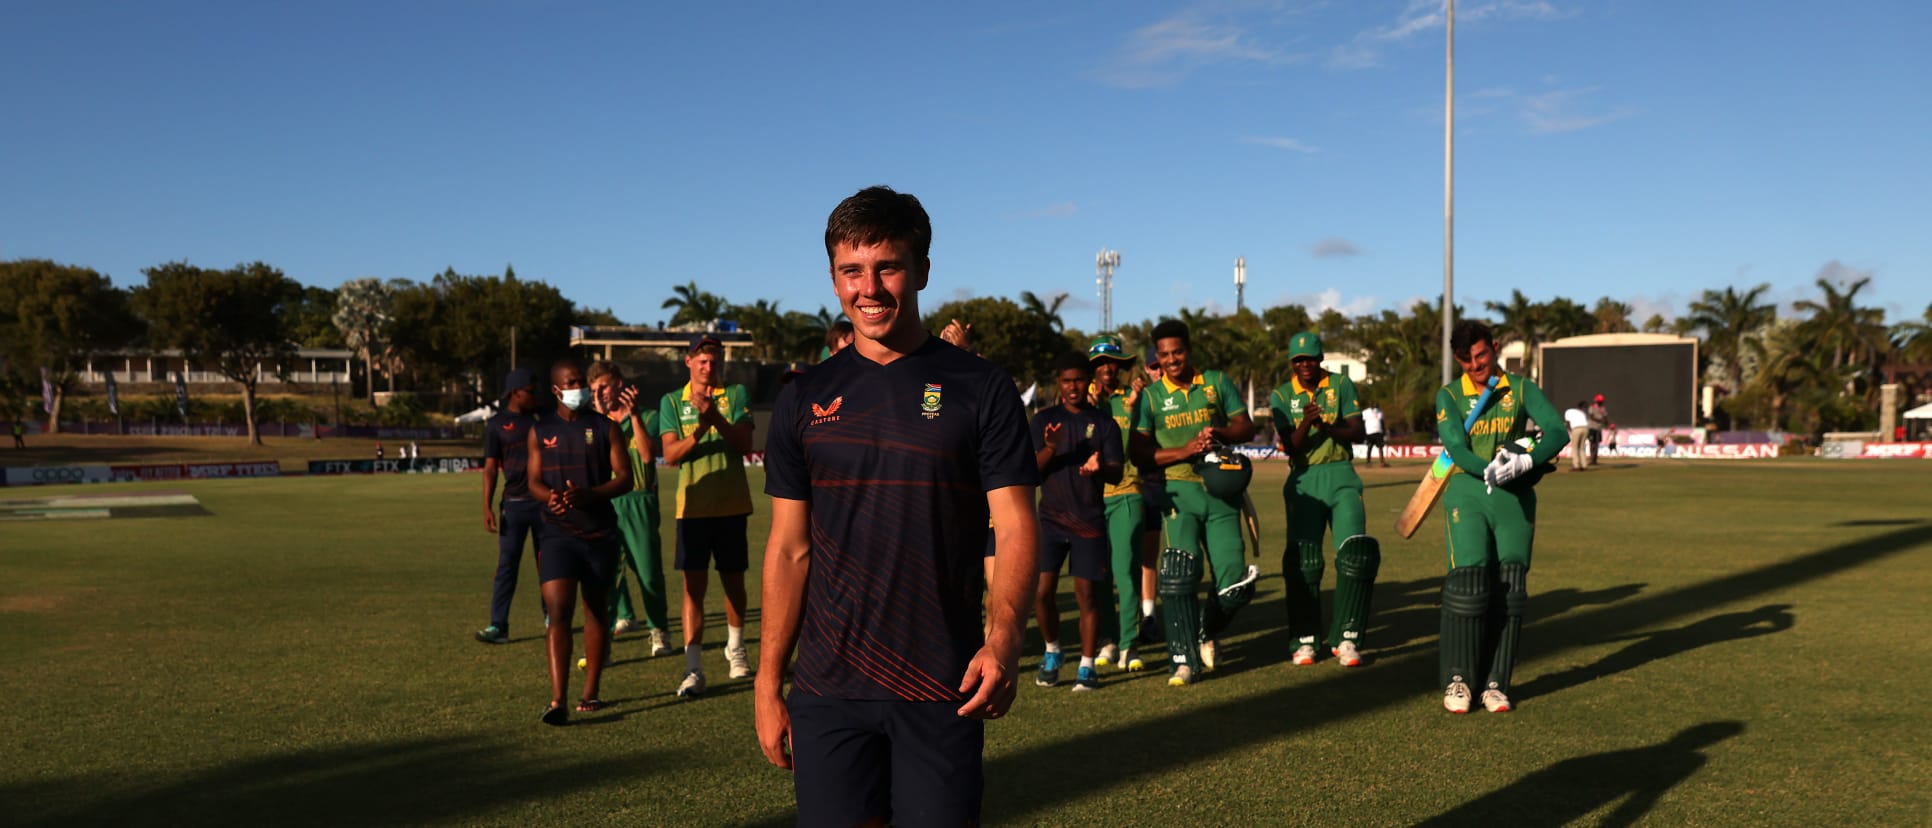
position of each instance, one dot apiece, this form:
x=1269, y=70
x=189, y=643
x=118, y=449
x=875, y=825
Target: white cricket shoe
x=1182, y=677
x=1495, y=702
x=1455, y=698
x=623, y=626
x=1347, y=654
x=1130, y=661
x=693, y=685
x=1108, y=655
x=659, y=646
x=1304, y=655
x=740, y=663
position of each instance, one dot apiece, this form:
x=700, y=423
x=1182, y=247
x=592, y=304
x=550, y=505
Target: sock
x=734, y=637
x=694, y=657
x=1086, y=663
x=1146, y=607
x=1053, y=646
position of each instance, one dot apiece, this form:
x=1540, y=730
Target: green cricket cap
x=1107, y=346
x=1305, y=344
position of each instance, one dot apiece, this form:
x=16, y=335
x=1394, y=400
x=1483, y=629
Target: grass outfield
x=294, y=453
x=1714, y=643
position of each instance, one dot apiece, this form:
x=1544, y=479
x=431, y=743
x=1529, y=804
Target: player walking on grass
x=884, y=464
x=1078, y=450
x=1182, y=417
x=637, y=509
x=506, y=450
x=707, y=431
x=1126, y=512
x=1491, y=511
x=577, y=466
x=1318, y=419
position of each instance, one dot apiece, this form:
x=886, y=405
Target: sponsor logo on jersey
x=827, y=413
x=509, y=426
x=1168, y=404
x=1090, y=431
x=929, y=404
x=549, y=442
x=590, y=437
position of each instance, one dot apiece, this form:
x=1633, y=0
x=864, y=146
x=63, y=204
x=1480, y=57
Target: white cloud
x=1289, y=144
x=1334, y=246
x=1421, y=16
x=1559, y=110
x=1167, y=51
x=1331, y=298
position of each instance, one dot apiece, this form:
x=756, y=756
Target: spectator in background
x=1599, y=417
x=1579, y=423
x=837, y=338
x=506, y=450
x=1372, y=435
x=19, y=434
x=637, y=510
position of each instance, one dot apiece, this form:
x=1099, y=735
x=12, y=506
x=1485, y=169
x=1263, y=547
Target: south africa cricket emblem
x=590, y=437
x=1209, y=389
x=1090, y=431
x=929, y=404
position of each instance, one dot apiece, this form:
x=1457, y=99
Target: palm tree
x=1855, y=335
x=694, y=306
x=363, y=313
x=767, y=325
x=1564, y=318
x=1522, y=321
x=1728, y=318
x=1613, y=316
x=1048, y=311
x=1914, y=339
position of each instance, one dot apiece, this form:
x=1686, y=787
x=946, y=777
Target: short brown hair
x=603, y=368
x=879, y=214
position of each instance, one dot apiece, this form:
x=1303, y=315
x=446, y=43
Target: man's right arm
x=788, y=559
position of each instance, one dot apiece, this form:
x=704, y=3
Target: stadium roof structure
x=1600, y=340
x=634, y=336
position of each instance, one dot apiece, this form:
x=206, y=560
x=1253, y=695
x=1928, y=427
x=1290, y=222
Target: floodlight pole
x=1449, y=199
x=1104, y=264
x=1240, y=282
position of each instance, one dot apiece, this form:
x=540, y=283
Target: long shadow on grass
x=1649, y=647
x=1028, y=784
x=1567, y=791
x=388, y=783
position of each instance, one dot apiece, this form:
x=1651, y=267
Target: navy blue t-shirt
x=1067, y=499
x=895, y=461
x=506, y=439
x=577, y=452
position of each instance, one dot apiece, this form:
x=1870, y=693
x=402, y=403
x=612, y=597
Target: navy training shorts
x=701, y=541
x=909, y=763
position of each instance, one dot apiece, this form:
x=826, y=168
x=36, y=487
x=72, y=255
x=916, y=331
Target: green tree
x=235, y=321
x=1612, y=316
x=1855, y=335
x=694, y=306
x=770, y=329
x=363, y=317
x=312, y=320
x=1914, y=339
x=58, y=317
x=1727, y=318
x=1563, y=318
x=1003, y=332
x=1048, y=310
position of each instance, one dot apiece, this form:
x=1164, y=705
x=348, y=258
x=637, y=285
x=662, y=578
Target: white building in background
x=314, y=366
x=1351, y=364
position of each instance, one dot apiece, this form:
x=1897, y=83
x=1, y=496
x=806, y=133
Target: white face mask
x=574, y=398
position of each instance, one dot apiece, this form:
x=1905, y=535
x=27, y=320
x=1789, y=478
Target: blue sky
x=1640, y=150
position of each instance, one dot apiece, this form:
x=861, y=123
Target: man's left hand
x=989, y=678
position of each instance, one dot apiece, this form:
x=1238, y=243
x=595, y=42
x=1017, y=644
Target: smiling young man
x=884, y=464
x=1317, y=421
x=706, y=430
x=1079, y=451
x=1491, y=510
x=1115, y=392
x=1181, y=417
x=577, y=466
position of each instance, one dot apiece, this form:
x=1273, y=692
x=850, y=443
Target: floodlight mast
x=1104, y=264
x=1240, y=282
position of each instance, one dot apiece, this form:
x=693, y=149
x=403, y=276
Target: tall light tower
x=1240, y=282
x=1104, y=264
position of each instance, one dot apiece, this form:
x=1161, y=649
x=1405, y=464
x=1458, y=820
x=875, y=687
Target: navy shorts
x=567, y=556
x=908, y=763
x=1091, y=556
x=1154, y=504
x=722, y=539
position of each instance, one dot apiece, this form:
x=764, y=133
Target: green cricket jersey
x=1335, y=394
x=1175, y=414
x=711, y=480
x=1515, y=403
x=643, y=474
x=1126, y=418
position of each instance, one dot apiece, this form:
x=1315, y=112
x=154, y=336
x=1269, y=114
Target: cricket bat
x=1430, y=490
